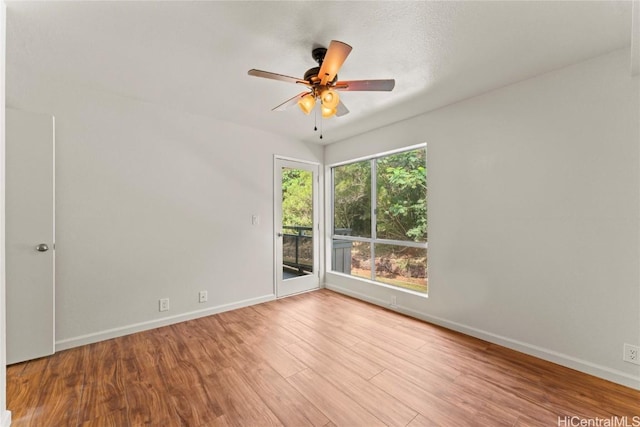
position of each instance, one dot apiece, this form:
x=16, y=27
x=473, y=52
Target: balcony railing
x=297, y=247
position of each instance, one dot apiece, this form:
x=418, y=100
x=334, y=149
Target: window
x=380, y=219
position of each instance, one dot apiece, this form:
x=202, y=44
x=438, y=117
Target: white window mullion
x=374, y=215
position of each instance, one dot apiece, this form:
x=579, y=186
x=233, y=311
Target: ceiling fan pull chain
x=315, y=120
x=320, y=127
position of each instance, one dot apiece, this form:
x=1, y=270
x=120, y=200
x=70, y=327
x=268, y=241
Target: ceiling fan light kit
x=322, y=82
x=328, y=112
x=329, y=98
x=306, y=103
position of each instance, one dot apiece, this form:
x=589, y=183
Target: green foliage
x=352, y=198
x=401, y=197
x=297, y=197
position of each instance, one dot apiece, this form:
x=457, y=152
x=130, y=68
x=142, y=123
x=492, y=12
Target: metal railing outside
x=297, y=247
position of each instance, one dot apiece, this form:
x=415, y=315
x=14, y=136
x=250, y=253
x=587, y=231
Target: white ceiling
x=194, y=56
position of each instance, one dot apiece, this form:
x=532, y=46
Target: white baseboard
x=5, y=419
x=156, y=323
x=600, y=371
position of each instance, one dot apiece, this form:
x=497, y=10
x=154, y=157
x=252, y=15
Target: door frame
x=305, y=283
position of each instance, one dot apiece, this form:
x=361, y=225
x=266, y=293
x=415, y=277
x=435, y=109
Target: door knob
x=42, y=247
x=279, y=234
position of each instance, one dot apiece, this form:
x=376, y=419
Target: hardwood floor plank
x=240, y=404
x=116, y=418
x=358, y=363
x=427, y=402
x=146, y=404
x=100, y=399
x=103, y=391
x=22, y=391
x=379, y=403
x=302, y=327
x=420, y=421
x=277, y=357
x=337, y=405
x=61, y=389
x=436, y=376
x=319, y=359
x=487, y=393
x=284, y=400
x=541, y=418
x=357, y=324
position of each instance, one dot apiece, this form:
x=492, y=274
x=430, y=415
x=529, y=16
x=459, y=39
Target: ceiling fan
x=322, y=82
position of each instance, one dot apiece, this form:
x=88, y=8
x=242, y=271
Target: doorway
x=296, y=224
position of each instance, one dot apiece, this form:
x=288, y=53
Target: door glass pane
x=402, y=266
x=297, y=222
x=402, y=196
x=352, y=199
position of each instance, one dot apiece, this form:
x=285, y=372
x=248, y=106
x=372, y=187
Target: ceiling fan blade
x=342, y=109
x=366, y=85
x=274, y=76
x=289, y=102
x=333, y=60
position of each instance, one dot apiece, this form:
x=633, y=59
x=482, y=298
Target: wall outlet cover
x=202, y=296
x=631, y=354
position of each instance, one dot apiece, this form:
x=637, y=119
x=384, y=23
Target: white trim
x=377, y=155
x=311, y=281
x=5, y=416
x=293, y=159
x=157, y=323
x=409, y=243
x=635, y=38
x=306, y=291
x=419, y=294
x=587, y=367
x=5, y=421
x=373, y=239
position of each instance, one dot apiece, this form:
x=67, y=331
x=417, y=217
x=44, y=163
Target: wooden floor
x=317, y=359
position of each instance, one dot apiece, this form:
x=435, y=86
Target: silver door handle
x=42, y=247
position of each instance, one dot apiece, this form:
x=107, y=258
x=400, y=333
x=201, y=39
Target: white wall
x=533, y=215
x=5, y=416
x=153, y=203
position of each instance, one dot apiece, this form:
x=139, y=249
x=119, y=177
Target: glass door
x=296, y=226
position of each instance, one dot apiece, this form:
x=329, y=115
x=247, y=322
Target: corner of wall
x=635, y=38
x=5, y=416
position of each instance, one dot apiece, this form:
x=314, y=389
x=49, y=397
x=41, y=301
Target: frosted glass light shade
x=329, y=98
x=306, y=103
x=328, y=112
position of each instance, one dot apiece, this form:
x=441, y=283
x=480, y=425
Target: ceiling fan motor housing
x=311, y=75
x=318, y=54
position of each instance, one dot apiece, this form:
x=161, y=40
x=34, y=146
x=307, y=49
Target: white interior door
x=30, y=148
x=296, y=224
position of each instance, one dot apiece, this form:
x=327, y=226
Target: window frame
x=373, y=240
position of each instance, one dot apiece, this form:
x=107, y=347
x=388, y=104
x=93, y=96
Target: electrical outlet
x=164, y=304
x=631, y=354
x=202, y=296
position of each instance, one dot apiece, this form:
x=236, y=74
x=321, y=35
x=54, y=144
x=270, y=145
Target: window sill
x=384, y=285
